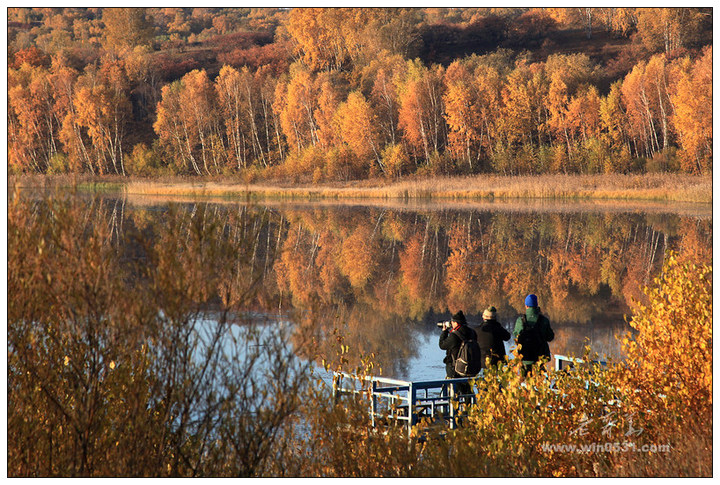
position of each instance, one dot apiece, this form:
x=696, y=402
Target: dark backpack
x=530, y=340
x=469, y=358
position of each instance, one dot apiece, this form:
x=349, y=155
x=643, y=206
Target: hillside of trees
x=338, y=94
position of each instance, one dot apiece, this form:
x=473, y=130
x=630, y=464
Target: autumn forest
x=212, y=212
x=311, y=95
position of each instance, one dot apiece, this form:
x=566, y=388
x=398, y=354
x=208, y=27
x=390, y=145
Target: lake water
x=382, y=274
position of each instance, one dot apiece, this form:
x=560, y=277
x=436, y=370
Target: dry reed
x=664, y=187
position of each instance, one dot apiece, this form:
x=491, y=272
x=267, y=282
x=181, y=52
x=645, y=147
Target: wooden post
x=373, y=403
x=336, y=388
x=412, y=395
x=450, y=403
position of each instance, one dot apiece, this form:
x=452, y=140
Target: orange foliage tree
x=462, y=113
x=102, y=107
x=32, y=124
x=613, y=120
x=667, y=29
x=244, y=105
x=329, y=100
x=295, y=102
x=319, y=37
x=421, y=109
x=75, y=142
x=692, y=117
x=357, y=127
x=639, y=111
x=187, y=122
x=126, y=28
x=386, y=72
x=233, y=90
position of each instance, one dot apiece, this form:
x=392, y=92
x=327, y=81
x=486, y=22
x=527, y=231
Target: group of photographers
x=532, y=332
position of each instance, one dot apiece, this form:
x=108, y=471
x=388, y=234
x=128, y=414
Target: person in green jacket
x=533, y=332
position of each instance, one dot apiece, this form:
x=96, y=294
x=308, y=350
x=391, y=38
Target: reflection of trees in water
x=389, y=267
x=601, y=337
x=387, y=339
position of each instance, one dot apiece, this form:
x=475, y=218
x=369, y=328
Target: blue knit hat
x=531, y=300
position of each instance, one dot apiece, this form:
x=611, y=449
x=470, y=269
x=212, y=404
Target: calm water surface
x=381, y=275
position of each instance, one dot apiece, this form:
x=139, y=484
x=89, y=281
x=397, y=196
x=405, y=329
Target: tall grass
x=663, y=187
x=654, y=187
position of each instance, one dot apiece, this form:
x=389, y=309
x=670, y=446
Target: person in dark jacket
x=491, y=336
x=539, y=324
x=450, y=341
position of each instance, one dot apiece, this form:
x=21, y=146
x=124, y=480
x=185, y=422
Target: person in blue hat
x=532, y=333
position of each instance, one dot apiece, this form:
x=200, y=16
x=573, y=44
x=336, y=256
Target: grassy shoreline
x=646, y=187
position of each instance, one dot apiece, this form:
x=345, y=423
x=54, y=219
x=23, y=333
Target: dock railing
x=407, y=401
x=411, y=401
x=563, y=362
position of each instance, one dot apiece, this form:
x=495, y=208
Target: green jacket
x=534, y=317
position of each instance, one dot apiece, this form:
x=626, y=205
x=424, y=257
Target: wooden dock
x=410, y=401
x=407, y=401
